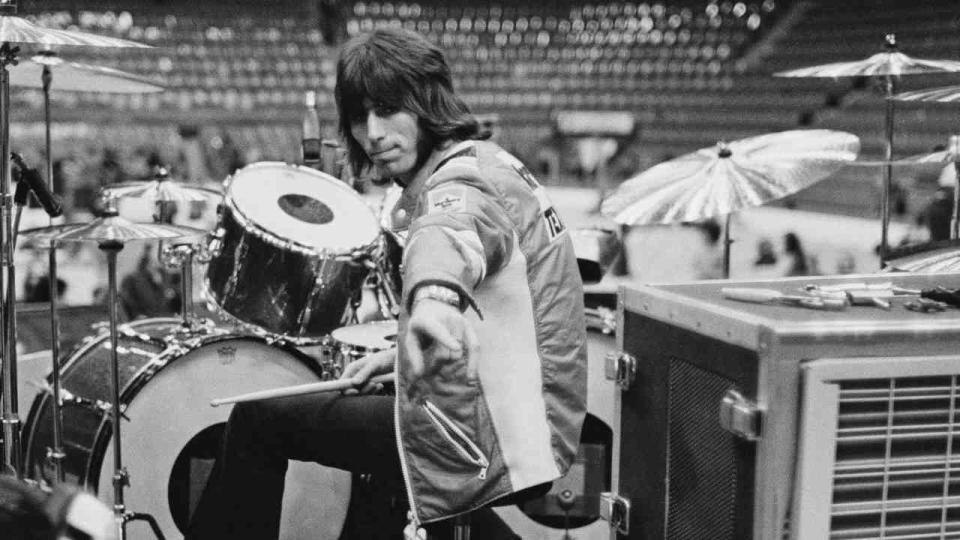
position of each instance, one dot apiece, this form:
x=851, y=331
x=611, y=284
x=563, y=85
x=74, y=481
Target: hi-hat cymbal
x=14, y=29
x=105, y=229
x=889, y=62
x=77, y=77
x=729, y=177
x=161, y=190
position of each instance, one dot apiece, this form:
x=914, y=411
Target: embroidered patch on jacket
x=447, y=199
x=555, y=226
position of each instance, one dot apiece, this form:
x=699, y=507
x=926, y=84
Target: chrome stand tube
x=12, y=454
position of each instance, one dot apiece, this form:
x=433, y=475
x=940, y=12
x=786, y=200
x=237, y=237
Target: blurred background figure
x=766, y=256
x=799, y=263
x=149, y=291
x=708, y=262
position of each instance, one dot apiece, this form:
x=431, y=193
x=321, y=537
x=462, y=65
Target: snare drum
x=356, y=341
x=170, y=433
x=288, y=253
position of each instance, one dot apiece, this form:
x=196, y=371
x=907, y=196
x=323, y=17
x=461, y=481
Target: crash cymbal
x=889, y=62
x=14, y=29
x=107, y=228
x=942, y=157
x=942, y=94
x=161, y=190
x=729, y=177
x=77, y=77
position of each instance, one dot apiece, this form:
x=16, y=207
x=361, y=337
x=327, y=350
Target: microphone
x=311, y=146
x=50, y=202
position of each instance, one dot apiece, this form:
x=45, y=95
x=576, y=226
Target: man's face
x=391, y=138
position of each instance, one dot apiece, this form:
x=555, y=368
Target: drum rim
x=271, y=238
x=273, y=337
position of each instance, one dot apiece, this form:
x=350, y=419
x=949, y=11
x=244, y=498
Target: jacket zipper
x=457, y=438
x=413, y=516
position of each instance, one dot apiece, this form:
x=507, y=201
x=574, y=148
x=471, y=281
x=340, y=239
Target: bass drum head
x=302, y=205
x=171, y=435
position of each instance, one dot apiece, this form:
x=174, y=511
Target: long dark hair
x=399, y=69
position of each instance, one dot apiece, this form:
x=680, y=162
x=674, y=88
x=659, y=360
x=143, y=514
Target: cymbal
x=77, y=77
x=889, y=62
x=14, y=29
x=107, y=228
x=161, y=190
x=930, y=258
x=729, y=177
x=943, y=157
x=942, y=94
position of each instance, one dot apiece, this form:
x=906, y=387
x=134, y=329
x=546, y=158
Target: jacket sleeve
x=461, y=235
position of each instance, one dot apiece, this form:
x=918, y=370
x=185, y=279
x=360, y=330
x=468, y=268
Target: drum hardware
x=890, y=65
x=181, y=256
x=14, y=29
x=723, y=179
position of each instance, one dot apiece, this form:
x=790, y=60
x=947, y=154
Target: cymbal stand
x=955, y=215
x=121, y=478
x=889, y=91
x=55, y=454
x=12, y=453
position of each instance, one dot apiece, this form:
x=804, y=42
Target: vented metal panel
x=895, y=463
x=702, y=462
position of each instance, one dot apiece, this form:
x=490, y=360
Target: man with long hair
x=491, y=357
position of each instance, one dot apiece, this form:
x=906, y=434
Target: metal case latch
x=621, y=368
x=615, y=510
x=740, y=416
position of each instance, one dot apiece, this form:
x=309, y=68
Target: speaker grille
x=897, y=468
x=701, y=457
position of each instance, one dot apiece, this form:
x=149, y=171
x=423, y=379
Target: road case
x=741, y=420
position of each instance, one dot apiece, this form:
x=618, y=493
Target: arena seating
x=691, y=71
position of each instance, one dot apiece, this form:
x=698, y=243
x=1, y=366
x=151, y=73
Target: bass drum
x=170, y=433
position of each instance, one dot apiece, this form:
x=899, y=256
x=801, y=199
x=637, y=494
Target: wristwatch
x=438, y=292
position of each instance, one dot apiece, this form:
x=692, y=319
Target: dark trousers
x=354, y=433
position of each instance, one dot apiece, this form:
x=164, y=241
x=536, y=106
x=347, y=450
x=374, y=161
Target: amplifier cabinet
x=769, y=421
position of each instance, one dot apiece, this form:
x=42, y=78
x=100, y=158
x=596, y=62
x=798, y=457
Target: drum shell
x=280, y=286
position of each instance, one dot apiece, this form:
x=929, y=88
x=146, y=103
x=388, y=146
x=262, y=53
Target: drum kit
x=288, y=264
x=729, y=177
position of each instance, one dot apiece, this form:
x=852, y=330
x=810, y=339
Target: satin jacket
x=475, y=220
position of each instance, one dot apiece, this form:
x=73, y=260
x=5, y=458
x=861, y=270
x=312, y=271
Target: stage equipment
x=291, y=251
x=729, y=177
x=353, y=342
x=17, y=30
x=741, y=420
x=890, y=65
x=171, y=434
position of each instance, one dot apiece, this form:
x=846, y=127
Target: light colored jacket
x=478, y=222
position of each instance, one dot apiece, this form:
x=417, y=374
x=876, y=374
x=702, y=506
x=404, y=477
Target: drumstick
x=296, y=390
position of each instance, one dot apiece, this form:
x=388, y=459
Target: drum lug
x=213, y=246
